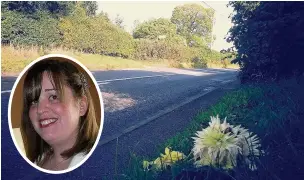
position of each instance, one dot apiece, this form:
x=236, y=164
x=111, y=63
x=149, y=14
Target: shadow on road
x=126, y=102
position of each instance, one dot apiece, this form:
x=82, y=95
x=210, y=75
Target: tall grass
x=14, y=59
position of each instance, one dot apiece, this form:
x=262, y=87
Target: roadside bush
x=95, y=35
x=149, y=49
x=173, y=50
x=158, y=49
x=155, y=28
x=268, y=38
x=38, y=29
x=198, y=62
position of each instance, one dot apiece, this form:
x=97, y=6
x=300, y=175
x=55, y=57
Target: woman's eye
x=53, y=97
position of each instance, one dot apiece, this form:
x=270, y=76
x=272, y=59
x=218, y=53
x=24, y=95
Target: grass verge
x=272, y=111
x=13, y=60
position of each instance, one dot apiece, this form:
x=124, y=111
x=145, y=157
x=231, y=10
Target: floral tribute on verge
x=223, y=145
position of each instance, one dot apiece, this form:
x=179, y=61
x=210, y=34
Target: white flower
x=220, y=145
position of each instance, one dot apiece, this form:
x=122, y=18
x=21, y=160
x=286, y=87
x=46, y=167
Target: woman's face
x=55, y=121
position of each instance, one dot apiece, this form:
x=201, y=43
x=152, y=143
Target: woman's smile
x=44, y=123
x=59, y=119
x=55, y=118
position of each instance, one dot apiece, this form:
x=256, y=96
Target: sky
x=146, y=10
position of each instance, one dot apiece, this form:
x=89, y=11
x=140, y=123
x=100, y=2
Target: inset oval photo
x=55, y=114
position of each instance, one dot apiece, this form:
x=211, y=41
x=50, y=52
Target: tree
x=119, y=21
x=95, y=35
x=29, y=8
x=90, y=7
x=104, y=15
x=32, y=23
x=268, y=38
x=155, y=28
x=194, y=22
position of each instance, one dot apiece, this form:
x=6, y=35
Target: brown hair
x=62, y=73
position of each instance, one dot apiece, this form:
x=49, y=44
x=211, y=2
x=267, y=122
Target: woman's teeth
x=48, y=121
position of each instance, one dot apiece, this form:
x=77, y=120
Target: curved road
x=131, y=98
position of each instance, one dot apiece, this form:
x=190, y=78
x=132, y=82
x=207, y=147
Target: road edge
x=161, y=113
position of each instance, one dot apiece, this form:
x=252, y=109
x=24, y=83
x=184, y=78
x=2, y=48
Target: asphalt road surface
x=132, y=98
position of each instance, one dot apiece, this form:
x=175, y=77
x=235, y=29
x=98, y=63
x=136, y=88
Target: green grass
x=261, y=108
x=97, y=62
x=14, y=60
x=266, y=110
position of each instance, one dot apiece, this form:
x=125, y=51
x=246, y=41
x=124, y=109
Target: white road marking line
x=123, y=79
x=6, y=91
x=227, y=81
x=111, y=80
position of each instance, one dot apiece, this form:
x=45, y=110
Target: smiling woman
x=60, y=121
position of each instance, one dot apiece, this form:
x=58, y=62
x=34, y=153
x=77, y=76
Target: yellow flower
x=157, y=163
x=164, y=160
x=171, y=157
x=146, y=165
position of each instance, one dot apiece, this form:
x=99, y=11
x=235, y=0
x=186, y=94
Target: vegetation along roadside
x=256, y=131
x=33, y=29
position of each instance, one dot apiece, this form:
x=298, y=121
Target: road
x=132, y=98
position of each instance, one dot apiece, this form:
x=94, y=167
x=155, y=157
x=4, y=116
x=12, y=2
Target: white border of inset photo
x=10, y=120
